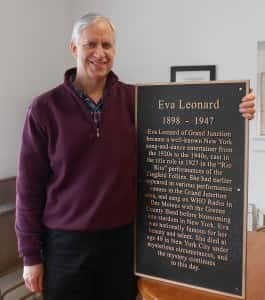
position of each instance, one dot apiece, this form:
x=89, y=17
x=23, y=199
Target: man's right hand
x=33, y=277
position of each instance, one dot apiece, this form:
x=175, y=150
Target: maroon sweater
x=68, y=178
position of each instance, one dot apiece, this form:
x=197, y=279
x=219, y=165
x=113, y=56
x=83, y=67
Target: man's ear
x=73, y=48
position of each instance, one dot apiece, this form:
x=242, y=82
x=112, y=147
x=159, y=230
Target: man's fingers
x=247, y=103
x=247, y=106
x=248, y=116
x=33, y=276
x=247, y=109
x=34, y=284
x=250, y=97
x=31, y=284
x=27, y=283
x=40, y=283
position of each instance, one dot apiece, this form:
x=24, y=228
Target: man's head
x=93, y=46
x=87, y=20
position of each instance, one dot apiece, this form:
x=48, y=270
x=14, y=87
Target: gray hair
x=87, y=20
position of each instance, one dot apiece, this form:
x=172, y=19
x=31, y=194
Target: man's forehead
x=99, y=27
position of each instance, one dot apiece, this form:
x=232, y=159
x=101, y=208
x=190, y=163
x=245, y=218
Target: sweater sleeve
x=32, y=177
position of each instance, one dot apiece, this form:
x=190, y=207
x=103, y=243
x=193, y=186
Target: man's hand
x=247, y=106
x=33, y=277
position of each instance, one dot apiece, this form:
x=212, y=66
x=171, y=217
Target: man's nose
x=99, y=51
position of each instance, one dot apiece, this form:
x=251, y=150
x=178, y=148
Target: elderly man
x=76, y=177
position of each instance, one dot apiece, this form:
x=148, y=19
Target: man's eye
x=90, y=45
x=106, y=45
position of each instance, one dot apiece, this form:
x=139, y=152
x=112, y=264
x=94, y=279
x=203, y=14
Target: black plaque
x=191, y=197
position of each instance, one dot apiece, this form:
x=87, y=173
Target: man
x=76, y=177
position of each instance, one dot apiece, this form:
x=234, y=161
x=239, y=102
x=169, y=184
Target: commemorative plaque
x=192, y=185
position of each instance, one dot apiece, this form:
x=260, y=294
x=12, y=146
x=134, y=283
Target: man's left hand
x=247, y=106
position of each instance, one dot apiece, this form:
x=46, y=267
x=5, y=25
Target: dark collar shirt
x=94, y=108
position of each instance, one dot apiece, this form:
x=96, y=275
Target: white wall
x=34, y=40
x=154, y=35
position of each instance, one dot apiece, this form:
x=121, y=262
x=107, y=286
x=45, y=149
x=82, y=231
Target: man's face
x=95, y=51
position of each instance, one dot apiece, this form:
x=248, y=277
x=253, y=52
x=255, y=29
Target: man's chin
x=98, y=75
